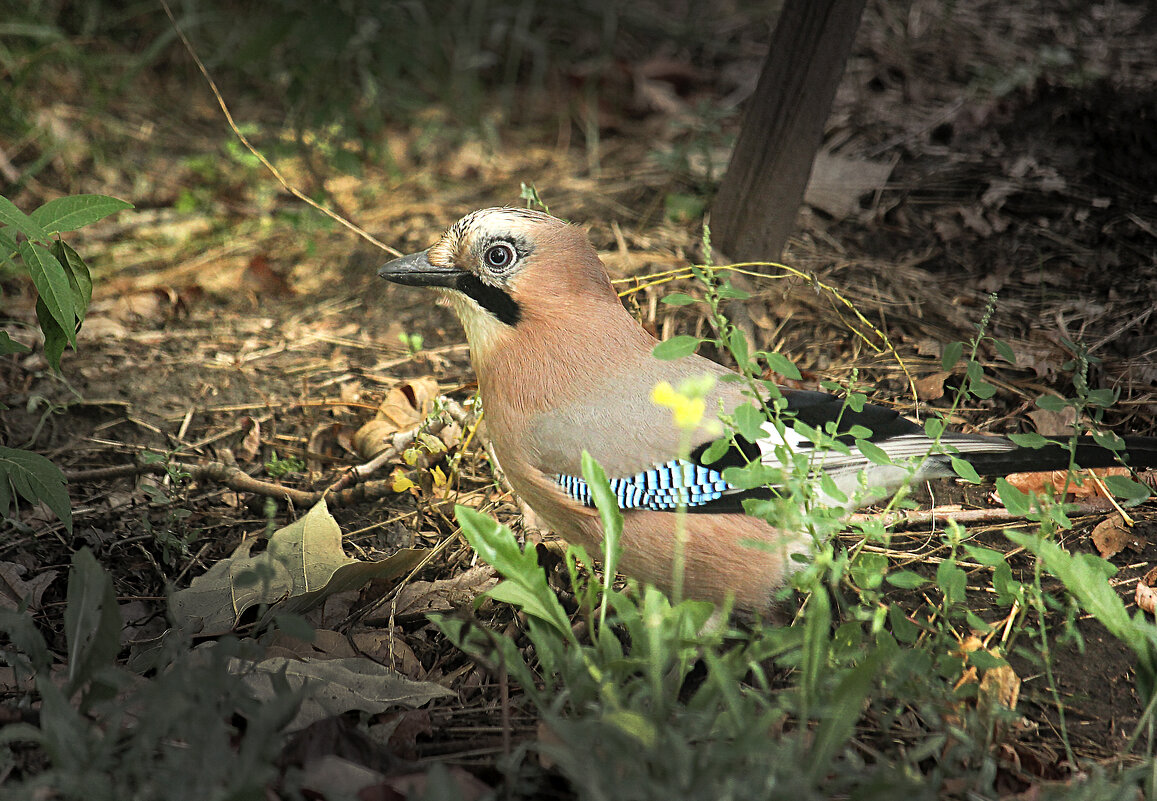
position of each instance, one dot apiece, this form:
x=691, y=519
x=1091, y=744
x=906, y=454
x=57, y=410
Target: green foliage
x=30, y=242
x=193, y=731
x=36, y=480
x=62, y=280
x=279, y=467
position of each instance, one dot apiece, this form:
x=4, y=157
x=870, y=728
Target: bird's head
x=506, y=270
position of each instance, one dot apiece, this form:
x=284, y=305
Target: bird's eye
x=499, y=256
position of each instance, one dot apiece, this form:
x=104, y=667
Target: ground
x=232, y=325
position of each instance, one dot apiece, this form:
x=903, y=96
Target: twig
x=257, y=154
x=237, y=479
x=970, y=516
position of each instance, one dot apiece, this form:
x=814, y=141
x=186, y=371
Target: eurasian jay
x=562, y=366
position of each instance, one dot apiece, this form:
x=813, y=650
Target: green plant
x=278, y=467
x=412, y=342
x=30, y=243
x=191, y=731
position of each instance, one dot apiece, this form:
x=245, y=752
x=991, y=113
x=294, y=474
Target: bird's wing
x=699, y=485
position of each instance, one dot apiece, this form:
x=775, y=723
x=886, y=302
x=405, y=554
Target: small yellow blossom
x=686, y=403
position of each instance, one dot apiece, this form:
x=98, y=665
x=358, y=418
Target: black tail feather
x=1139, y=453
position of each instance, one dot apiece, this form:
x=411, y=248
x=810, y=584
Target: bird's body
x=563, y=367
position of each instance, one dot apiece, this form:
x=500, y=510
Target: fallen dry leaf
x=334, y=686
x=403, y=408
x=1112, y=535
x=1053, y=424
x=1058, y=480
x=1145, y=597
x=931, y=387
x=251, y=443
x=14, y=589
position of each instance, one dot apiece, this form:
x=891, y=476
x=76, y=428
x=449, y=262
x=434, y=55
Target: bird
x=563, y=367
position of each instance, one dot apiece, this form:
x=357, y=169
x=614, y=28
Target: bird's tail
x=1138, y=452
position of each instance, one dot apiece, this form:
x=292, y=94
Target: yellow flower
x=687, y=403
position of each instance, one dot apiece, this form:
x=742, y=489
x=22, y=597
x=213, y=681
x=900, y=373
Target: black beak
x=416, y=270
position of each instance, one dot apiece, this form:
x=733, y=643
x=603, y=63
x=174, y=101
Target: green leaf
x=783, y=365
x=676, y=347
x=92, y=621
x=729, y=292
x=7, y=246
x=858, y=431
x=1050, y=403
x=9, y=345
x=1126, y=488
x=1016, y=502
x=816, y=643
x=874, y=453
x=749, y=421
x=984, y=556
x=737, y=344
x=610, y=514
x=843, y=710
x=1030, y=440
x=934, y=427
x=1004, y=350
x=1102, y=397
x=55, y=339
x=715, y=451
x=984, y=660
x=951, y=354
x=76, y=211
x=981, y=389
x=906, y=579
x=53, y=286
x=964, y=470
x=1087, y=577
x=525, y=581
x=678, y=299
x=10, y=215
x=952, y=581
x=79, y=277
x=36, y=480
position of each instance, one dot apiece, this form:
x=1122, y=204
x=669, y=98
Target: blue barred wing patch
x=662, y=488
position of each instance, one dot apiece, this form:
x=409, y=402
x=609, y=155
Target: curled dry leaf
x=251, y=443
x=402, y=409
x=1112, y=535
x=1145, y=596
x=14, y=590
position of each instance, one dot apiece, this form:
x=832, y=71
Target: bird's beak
x=416, y=270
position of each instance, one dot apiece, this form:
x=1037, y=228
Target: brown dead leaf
x=402, y=409
x=838, y=182
x=14, y=590
x=1112, y=535
x=1056, y=480
x=1000, y=684
x=1145, y=597
x=415, y=785
x=261, y=279
x=443, y=595
x=251, y=443
x=931, y=387
x=1053, y=424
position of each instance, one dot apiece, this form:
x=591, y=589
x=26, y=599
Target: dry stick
x=245, y=141
x=969, y=516
x=237, y=479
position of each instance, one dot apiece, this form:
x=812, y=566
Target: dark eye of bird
x=499, y=256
